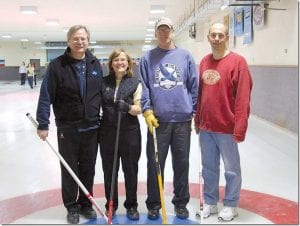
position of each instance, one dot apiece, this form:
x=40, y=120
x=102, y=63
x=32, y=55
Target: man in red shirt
x=222, y=118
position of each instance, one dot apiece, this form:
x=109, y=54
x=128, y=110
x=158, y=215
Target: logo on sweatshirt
x=167, y=76
x=211, y=77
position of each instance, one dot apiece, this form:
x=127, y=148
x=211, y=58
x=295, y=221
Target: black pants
x=175, y=135
x=129, y=152
x=79, y=149
x=22, y=78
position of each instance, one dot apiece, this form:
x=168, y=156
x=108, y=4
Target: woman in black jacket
x=121, y=92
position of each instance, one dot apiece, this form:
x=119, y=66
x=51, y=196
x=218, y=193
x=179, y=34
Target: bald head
x=218, y=26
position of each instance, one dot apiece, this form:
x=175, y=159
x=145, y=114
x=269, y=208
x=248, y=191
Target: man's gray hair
x=75, y=28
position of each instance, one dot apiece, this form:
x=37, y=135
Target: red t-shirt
x=224, y=95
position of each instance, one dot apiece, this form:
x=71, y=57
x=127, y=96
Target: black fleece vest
x=127, y=88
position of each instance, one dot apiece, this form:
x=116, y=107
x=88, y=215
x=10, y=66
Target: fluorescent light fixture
x=6, y=36
x=24, y=40
x=93, y=42
x=29, y=10
x=149, y=35
x=52, y=22
x=37, y=43
x=155, y=9
x=150, y=29
x=147, y=41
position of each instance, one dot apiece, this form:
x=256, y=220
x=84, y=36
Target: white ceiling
x=107, y=20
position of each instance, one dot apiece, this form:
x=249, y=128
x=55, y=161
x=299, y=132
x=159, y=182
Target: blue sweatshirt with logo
x=170, y=84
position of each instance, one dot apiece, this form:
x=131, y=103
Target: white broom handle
x=68, y=168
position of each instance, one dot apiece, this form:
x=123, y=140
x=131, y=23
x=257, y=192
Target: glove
x=151, y=121
x=122, y=106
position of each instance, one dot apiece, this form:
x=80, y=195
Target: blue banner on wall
x=238, y=22
x=248, y=32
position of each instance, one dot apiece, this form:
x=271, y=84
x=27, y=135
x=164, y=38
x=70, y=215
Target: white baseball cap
x=164, y=21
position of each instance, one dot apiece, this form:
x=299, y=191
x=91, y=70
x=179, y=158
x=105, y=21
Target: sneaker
x=88, y=212
x=73, y=217
x=133, y=214
x=228, y=213
x=181, y=212
x=209, y=209
x=153, y=214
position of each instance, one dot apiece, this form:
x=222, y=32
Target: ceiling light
x=147, y=41
x=24, y=40
x=150, y=30
x=37, y=43
x=154, y=9
x=52, y=22
x=6, y=36
x=28, y=10
x=149, y=35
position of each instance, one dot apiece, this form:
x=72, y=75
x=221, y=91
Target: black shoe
x=133, y=214
x=153, y=214
x=181, y=212
x=73, y=217
x=88, y=212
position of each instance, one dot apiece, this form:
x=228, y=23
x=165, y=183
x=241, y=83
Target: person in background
x=170, y=88
x=22, y=72
x=222, y=117
x=121, y=92
x=30, y=74
x=35, y=74
x=72, y=85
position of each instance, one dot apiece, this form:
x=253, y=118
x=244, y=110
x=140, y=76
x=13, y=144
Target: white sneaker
x=228, y=213
x=209, y=209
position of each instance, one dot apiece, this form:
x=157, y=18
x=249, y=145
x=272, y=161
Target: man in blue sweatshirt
x=170, y=89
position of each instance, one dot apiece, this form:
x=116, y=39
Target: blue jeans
x=213, y=146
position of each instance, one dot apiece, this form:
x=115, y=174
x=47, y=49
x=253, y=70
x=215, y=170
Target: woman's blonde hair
x=115, y=54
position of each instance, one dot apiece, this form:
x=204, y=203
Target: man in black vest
x=72, y=86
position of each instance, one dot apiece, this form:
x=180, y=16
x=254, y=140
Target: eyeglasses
x=220, y=36
x=119, y=59
x=163, y=30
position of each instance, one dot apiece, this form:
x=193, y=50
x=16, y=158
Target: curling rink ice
x=30, y=172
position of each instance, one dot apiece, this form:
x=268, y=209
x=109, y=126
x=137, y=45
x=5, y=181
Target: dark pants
x=129, y=151
x=34, y=79
x=79, y=149
x=30, y=81
x=22, y=78
x=175, y=135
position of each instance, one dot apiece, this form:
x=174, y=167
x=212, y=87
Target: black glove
x=123, y=106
